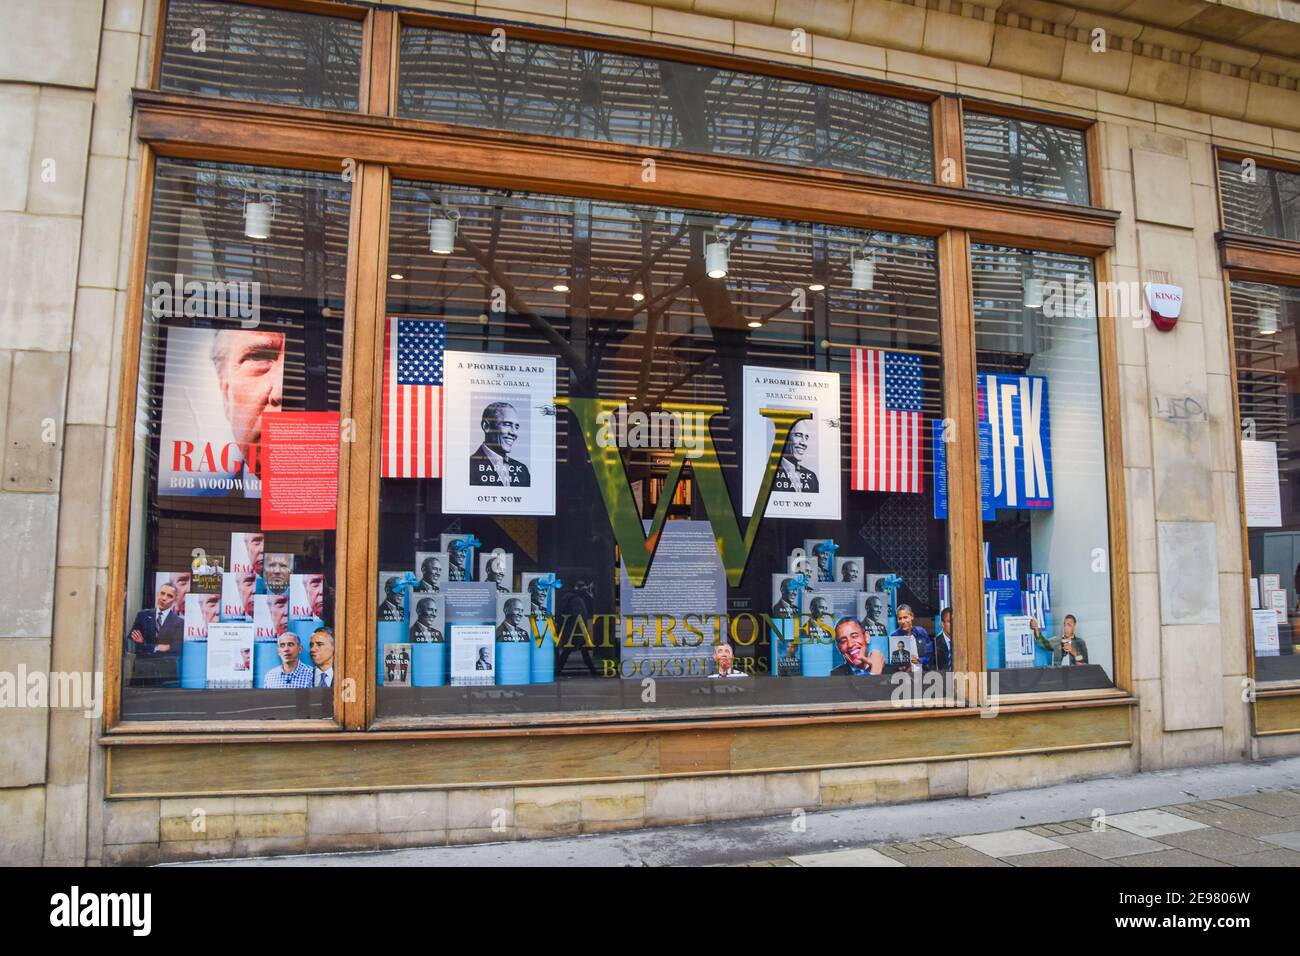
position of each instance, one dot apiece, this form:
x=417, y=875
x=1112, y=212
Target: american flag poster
x=886, y=401
x=412, y=412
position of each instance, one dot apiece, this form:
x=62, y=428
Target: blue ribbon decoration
x=467, y=543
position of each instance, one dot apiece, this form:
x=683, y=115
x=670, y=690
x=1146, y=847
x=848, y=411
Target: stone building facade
x=1178, y=79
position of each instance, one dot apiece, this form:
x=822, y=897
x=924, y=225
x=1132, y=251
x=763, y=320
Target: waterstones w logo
x=75, y=908
x=636, y=545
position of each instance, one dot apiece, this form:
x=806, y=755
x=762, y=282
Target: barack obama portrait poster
x=807, y=483
x=499, y=434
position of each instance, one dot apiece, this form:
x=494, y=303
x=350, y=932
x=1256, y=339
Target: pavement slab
x=1279, y=803
x=1278, y=857
x=1171, y=858
x=1290, y=839
x=1152, y=823
x=1111, y=844
x=1009, y=843
x=1066, y=857
x=1216, y=844
x=963, y=857
x=863, y=857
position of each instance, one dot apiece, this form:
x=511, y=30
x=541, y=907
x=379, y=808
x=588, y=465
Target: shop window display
x=1046, y=550
x=1264, y=319
x=636, y=458
x=231, y=556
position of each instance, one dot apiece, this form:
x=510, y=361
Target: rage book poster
x=807, y=484
x=498, y=434
x=217, y=386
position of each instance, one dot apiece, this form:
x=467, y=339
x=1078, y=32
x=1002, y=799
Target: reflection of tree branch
x=689, y=373
x=521, y=308
x=643, y=269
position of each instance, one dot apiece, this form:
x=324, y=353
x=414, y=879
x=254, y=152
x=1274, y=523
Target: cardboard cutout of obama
x=217, y=386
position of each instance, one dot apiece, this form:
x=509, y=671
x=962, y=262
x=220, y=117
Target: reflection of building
x=832, y=205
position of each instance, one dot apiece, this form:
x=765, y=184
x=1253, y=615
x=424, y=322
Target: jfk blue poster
x=1014, y=408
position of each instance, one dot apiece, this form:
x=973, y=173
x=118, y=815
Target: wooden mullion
x=949, y=140
x=378, y=63
x=358, y=486
x=119, y=535
x=1113, y=442
x=159, y=44
x=1240, y=502
x=1096, y=175
x=965, y=526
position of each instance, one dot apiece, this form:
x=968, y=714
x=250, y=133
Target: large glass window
x=1023, y=158
x=1259, y=200
x=1047, y=614
x=624, y=443
x=263, y=54
x=232, y=551
x=1264, y=322
x=507, y=83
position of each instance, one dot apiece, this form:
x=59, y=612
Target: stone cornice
x=1250, y=72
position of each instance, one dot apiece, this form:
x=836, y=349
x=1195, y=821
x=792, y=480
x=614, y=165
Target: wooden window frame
x=1244, y=257
x=1083, y=124
x=383, y=147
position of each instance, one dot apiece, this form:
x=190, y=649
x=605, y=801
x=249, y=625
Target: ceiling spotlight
x=397, y=275
x=755, y=324
x=816, y=287
x=1267, y=324
x=258, y=216
x=1033, y=294
x=560, y=287
x=715, y=258
x=638, y=296
x=442, y=231
x=862, y=264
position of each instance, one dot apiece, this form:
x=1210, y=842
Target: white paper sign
x=1018, y=646
x=498, y=455
x=1277, y=601
x=807, y=485
x=230, y=655
x=473, y=654
x=1266, y=634
x=1254, y=593
x=1260, y=480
